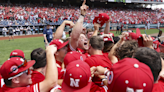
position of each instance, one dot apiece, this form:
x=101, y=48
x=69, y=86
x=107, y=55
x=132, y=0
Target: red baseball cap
x=17, y=53
x=77, y=77
x=111, y=34
x=59, y=43
x=101, y=19
x=14, y=66
x=73, y=56
x=107, y=39
x=130, y=75
x=156, y=44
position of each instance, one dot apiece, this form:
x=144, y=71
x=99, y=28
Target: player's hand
x=92, y=69
x=147, y=41
x=107, y=22
x=69, y=23
x=96, y=26
x=84, y=30
x=100, y=70
x=84, y=8
x=51, y=49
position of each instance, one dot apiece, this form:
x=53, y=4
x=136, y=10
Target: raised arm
x=107, y=27
x=59, y=32
x=111, y=55
x=51, y=76
x=96, y=29
x=77, y=29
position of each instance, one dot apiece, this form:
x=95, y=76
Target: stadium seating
x=56, y=15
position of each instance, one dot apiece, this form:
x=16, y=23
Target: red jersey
x=60, y=70
x=1, y=81
x=83, y=52
x=96, y=88
x=159, y=87
x=32, y=88
x=70, y=48
x=37, y=77
x=99, y=60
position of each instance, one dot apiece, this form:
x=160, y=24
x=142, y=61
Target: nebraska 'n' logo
x=74, y=83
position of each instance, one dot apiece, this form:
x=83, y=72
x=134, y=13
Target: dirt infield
x=22, y=36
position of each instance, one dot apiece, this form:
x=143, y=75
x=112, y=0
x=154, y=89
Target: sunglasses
x=22, y=65
x=27, y=72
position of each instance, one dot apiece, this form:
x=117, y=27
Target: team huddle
x=87, y=61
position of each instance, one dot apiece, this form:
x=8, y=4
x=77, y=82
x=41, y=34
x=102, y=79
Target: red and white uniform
x=159, y=87
x=99, y=60
x=60, y=70
x=1, y=81
x=83, y=52
x=70, y=48
x=96, y=88
x=37, y=77
x=32, y=88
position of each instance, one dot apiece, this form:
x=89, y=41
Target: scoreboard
x=139, y=1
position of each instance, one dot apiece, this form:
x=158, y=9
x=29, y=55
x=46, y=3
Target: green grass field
x=150, y=31
x=24, y=44
x=29, y=44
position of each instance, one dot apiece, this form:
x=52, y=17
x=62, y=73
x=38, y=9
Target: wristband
x=106, y=72
x=103, y=79
x=82, y=15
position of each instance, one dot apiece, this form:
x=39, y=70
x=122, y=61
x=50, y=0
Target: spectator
x=21, y=30
x=29, y=30
x=17, y=30
x=4, y=30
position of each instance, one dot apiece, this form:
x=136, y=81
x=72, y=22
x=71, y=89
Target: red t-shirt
x=159, y=87
x=37, y=77
x=60, y=70
x=99, y=60
x=32, y=88
x=96, y=88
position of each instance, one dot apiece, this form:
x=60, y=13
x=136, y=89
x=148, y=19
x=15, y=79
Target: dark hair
x=8, y=82
x=39, y=55
x=108, y=46
x=116, y=39
x=151, y=58
x=89, y=30
x=97, y=42
x=126, y=50
x=161, y=54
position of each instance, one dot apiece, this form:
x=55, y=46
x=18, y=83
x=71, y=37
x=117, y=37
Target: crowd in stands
x=87, y=61
x=33, y=14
